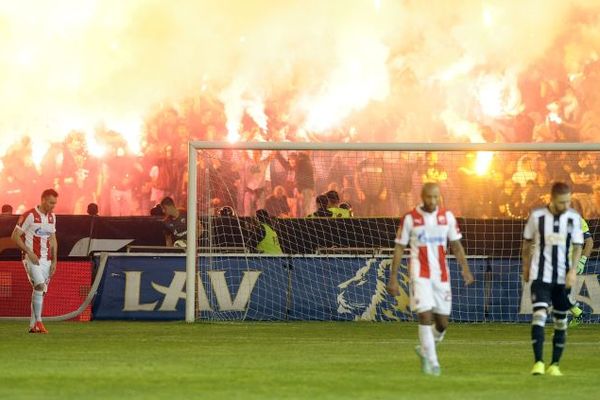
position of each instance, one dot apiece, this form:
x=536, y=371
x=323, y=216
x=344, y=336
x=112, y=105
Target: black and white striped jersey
x=553, y=236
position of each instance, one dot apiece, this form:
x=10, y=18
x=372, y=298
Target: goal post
x=191, y=251
x=480, y=169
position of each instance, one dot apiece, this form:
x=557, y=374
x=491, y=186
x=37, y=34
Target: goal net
x=274, y=243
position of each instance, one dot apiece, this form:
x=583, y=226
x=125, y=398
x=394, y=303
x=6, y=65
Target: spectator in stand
x=225, y=180
x=369, y=180
x=322, y=208
x=255, y=181
x=523, y=126
x=305, y=183
x=157, y=211
x=399, y=173
x=525, y=172
x=175, y=224
x=583, y=174
x=560, y=165
x=542, y=183
x=92, y=209
x=340, y=168
x=277, y=203
x=119, y=171
x=84, y=171
x=7, y=209
x=348, y=194
x=530, y=197
x=300, y=179
x=166, y=176
x=226, y=211
x=595, y=208
x=508, y=201
x=19, y=176
x=435, y=172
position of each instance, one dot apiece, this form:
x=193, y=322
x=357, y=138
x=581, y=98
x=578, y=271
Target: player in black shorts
x=551, y=251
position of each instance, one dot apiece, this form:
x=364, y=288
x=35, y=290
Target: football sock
x=560, y=335
x=37, y=299
x=428, y=344
x=438, y=336
x=537, y=333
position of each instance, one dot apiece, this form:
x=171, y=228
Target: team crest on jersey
x=441, y=219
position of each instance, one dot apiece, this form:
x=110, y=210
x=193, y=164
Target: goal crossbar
x=298, y=146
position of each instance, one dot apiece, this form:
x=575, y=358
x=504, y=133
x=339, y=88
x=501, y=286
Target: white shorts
x=430, y=295
x=38, y=273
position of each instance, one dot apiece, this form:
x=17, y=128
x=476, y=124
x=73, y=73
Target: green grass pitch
x=129, y=360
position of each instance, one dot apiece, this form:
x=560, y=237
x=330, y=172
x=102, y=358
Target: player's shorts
x=38, y=273
x=544, y=295
x=430, y=295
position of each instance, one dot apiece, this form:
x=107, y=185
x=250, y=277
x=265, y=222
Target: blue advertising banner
x=311, y=288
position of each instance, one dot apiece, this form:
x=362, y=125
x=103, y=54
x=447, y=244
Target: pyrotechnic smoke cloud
x=71, y=63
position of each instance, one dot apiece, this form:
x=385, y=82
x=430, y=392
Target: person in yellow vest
x=588, y=247
x=334, y=205
x=266, y=236
x=322, y=208
x=347, y=206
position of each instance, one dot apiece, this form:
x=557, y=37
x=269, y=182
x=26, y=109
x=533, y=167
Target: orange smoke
x=70, y=64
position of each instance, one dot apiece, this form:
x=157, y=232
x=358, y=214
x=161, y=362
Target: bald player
x=427, y=229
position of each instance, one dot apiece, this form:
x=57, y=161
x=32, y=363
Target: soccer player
x=549, y=234
x=35, y=235
x=588, y=247
x=427, y=229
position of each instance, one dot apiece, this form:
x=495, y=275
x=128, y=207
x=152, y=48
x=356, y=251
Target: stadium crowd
x=555, y=108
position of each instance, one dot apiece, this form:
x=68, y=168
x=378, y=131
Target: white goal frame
x=195, y=146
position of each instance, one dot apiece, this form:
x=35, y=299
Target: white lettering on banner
x=589, y=281
x=593, y=288
x=176, y=291
x=132, y=293
x=219, y=284
x=203, y=303
x=173, y=292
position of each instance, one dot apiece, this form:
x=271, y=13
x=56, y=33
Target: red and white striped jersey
x=428, y=235
x=36, y=228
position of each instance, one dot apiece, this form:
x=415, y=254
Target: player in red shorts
x=427, y=229
x=35, y=235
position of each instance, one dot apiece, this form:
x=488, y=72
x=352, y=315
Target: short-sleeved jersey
x=553, y=236
x=428, y=235
x=37, y=228
x=585, y=229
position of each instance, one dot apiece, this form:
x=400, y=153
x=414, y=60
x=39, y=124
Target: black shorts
x=544, y=295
